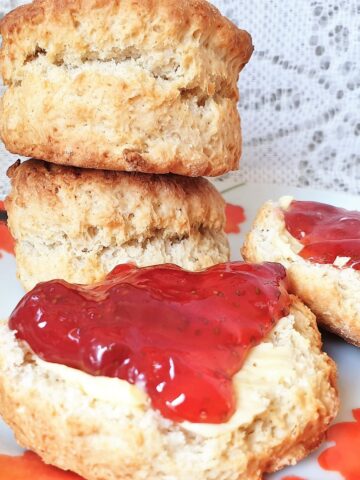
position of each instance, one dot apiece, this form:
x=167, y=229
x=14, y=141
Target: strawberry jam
x=327, y=232
x=178, y=334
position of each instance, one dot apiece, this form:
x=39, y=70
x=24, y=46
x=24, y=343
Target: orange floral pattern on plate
x=235, y=215
x=6, y=240
x=293, y=478
x=344, y=456
x=29, y=466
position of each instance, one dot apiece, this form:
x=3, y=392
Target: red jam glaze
x=325, y=231
x=182, y=335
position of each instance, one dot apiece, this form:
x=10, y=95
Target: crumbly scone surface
x=105, y=429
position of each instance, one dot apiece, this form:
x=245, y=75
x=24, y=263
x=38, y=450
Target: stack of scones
x=124, y=105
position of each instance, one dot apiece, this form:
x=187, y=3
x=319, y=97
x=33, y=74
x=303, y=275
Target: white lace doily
x=300, y=93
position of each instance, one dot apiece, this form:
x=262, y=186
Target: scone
x=78, y=224
x=147, y=86
x=152, y=420
x=321, y=252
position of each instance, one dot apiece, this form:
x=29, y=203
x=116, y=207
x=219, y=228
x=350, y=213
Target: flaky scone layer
x=106, y=429
x=331, y=292
x=78, y=224
x=145, y=86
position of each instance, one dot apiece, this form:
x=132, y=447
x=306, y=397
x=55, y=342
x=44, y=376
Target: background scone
x=105, y=428
x=78, y=224
x=146, y=86
x=330, y=291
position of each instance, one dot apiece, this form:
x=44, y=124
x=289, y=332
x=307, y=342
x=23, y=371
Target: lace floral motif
x=300, y=93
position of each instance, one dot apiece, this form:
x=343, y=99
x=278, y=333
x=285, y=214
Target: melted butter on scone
x=101, y=388
x=269, y=371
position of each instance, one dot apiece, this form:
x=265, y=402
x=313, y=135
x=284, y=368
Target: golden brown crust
x=327, y=293
x=78, y=224
x=289, y=453
x=94, y=154
x=36, y=183
x=72, y=423
x=135, y=86
x=330, y=292
x=198, y=15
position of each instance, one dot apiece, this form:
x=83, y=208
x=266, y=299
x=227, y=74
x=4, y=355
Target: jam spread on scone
x=180, y=335
x=328, y=233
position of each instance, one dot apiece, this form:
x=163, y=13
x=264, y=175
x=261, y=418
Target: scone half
x=330, y=291
x=146, y=86
x=78, y=224
x=105, y=428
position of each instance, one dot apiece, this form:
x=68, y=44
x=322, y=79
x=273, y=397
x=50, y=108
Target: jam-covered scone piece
x=182, y=335
x=327, y=232
x=176, y=337
x=319, y=245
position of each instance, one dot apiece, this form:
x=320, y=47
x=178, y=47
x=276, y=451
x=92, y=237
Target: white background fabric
x=300, y=93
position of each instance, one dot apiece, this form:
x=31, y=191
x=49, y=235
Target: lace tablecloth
x=300, y=93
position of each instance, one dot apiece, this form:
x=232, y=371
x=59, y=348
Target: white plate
x=345, y=438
